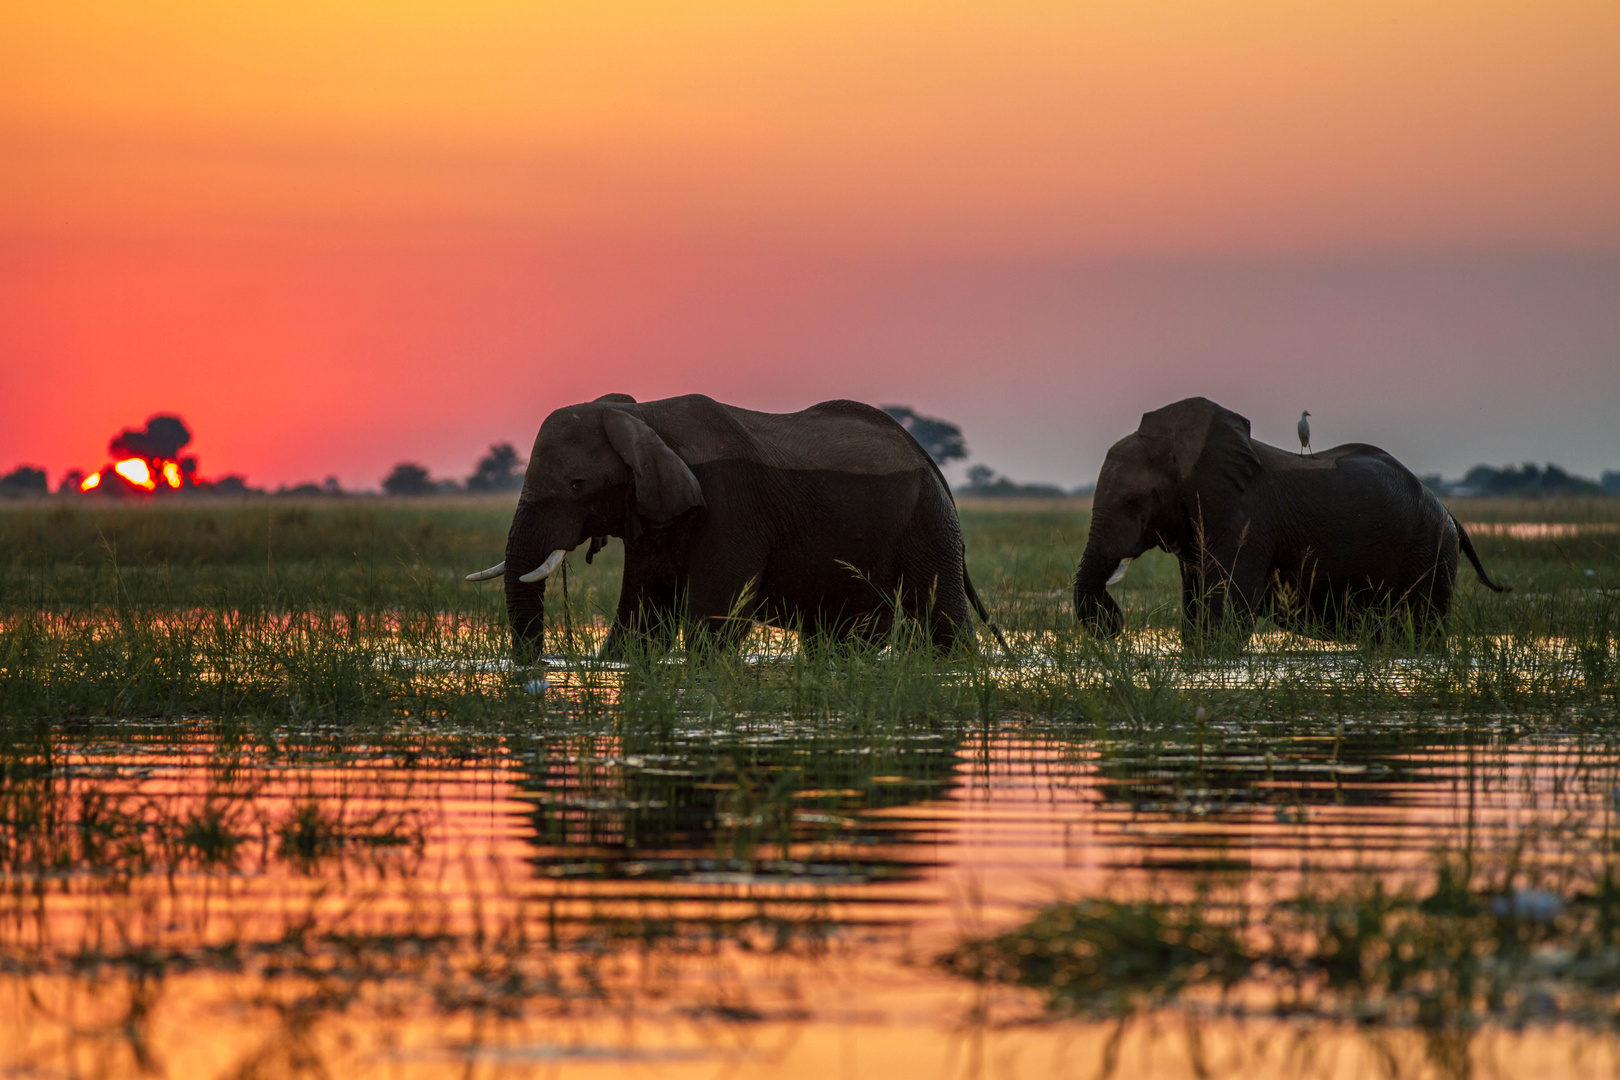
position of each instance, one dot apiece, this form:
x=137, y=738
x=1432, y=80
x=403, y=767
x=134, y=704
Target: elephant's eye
x=577, y=485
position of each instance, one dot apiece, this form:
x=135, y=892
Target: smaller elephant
x=1318, y=542
x=826, y=520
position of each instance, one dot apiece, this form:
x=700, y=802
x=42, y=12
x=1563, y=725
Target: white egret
x=1304, y=433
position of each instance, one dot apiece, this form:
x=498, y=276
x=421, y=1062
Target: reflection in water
x=755, y=809
x=1541, y=530
x=701, y=900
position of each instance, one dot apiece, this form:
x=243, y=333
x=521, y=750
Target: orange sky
x=338, y=234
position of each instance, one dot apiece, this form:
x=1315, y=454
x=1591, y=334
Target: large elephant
x=822, y=520
x=1317, y=542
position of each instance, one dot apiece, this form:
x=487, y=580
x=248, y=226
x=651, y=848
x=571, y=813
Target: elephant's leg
x=1436, y=574
x=1220, y=605
x=1286, y=602
x=723, y=597
x=1434, y=603
x=931, y=579
x=1192, y=597
x=1246, y=595
x=1222, y=617
x=1429, y=620
x=822, y=633
x=647, y=616
x=939, y=603
x=716, y=627
x=1203, y=603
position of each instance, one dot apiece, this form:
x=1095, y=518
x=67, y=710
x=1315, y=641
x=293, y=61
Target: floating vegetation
x=1454, y=953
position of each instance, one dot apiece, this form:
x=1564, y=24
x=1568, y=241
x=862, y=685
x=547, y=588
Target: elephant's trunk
x=525, y=601
x=1095, y=609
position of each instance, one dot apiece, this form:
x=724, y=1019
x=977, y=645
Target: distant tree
x=1526, y=481
x=69, y=484
x=23, y=481
x=498, y=470
x=162, y=437
x=1611, y=481
x=234, y=484
x=941, y=438
x=409, y=478
x=331, y=486
x=980, y=475
x=983, y=480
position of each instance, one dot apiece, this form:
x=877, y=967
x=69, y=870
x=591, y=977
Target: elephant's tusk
x=541, y=572
x=484, y=575
x=1119, y=572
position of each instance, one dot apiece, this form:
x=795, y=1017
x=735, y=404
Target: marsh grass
x=356, y=614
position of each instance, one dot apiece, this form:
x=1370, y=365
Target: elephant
x=825, y=520
x=1320, y=543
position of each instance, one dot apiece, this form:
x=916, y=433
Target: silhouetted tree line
x=985, y=482
x=22, y=482
x=329, y=486
x=1526, y=481
x=499, y=470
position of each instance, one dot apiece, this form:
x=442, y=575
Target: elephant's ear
x=665, y=487
x=1207, y=449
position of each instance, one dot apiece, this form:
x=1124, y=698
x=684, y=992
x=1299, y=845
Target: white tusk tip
x=543, y=571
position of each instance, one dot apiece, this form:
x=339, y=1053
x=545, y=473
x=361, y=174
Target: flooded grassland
x=274, y=802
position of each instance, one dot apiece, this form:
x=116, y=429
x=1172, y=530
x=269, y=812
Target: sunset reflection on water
x=183, y=907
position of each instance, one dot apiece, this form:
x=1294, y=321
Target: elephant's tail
x=1468, y=550
x=984, y=616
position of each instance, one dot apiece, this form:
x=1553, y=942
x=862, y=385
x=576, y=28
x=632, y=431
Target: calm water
x=715, y=902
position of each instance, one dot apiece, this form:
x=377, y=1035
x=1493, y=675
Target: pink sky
x=336, y=236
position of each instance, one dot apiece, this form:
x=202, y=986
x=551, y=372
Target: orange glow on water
x=91, y=482
x=137, y=472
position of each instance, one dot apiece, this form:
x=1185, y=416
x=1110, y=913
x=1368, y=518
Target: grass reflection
x=1458, y=951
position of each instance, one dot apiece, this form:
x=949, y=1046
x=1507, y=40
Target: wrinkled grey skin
x=818, y=520
x=1318, y=542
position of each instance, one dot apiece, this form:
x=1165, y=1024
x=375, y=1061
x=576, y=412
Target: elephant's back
x=1351, y=470
x=1365, y=506
x=834, y=436
x=1378, y=475
x=837, y=436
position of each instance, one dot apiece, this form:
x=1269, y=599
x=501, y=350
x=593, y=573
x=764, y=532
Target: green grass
x=356, y=612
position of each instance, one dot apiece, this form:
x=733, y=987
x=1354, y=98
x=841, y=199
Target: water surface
x=715, y=902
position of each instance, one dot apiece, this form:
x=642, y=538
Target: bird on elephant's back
x=1320, y=543
x=831, y=521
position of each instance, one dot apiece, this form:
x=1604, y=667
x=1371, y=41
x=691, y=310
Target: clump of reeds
x=1467, y=946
